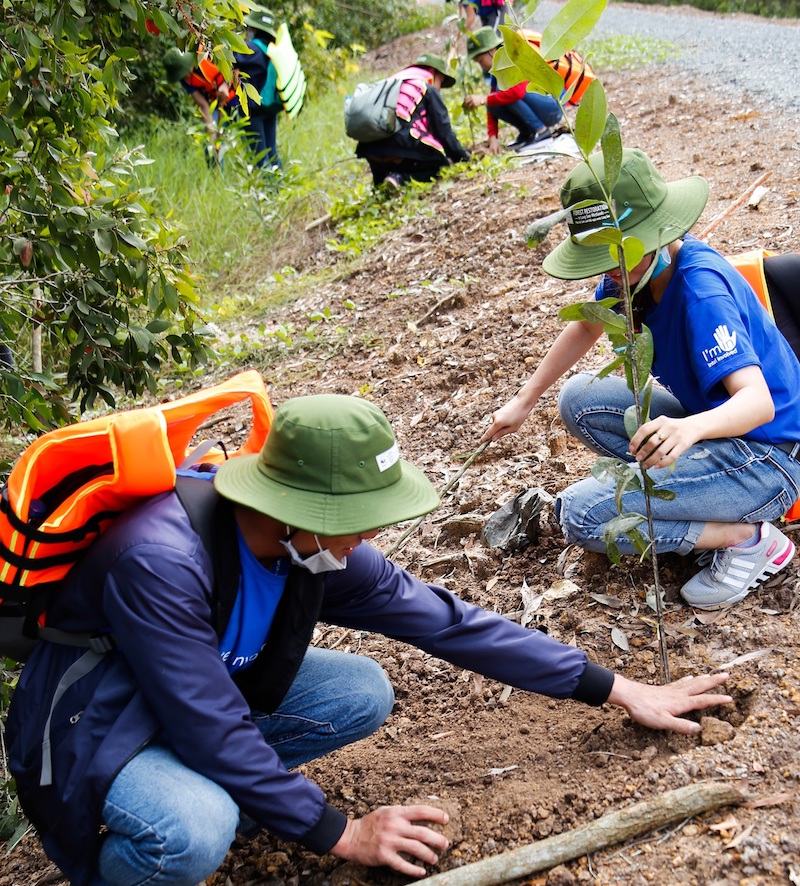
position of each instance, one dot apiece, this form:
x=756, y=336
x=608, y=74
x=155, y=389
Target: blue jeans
x=530, y=114
x=262, y=132
x=170, y=825
x=730, y=480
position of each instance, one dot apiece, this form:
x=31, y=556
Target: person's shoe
x=535, y=138
x=393, y=183
x=523, y=138
x=735, y=571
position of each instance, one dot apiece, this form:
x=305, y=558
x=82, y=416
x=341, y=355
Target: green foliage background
x=95, y=272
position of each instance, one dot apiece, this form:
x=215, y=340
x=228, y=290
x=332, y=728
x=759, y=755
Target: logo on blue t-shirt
x=725, y=346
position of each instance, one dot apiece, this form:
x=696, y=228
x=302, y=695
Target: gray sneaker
x=735, y=571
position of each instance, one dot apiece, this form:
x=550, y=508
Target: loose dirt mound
x=513, y=768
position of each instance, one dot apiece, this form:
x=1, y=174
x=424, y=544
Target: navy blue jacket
x=150, y=580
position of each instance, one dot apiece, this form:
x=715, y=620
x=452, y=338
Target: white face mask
x=322, y=561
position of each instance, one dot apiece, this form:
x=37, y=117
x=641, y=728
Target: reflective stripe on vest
x=291, y=82
x=412, y=91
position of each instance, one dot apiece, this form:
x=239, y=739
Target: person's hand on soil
x=507, y=419
x=380, y=836
x=494, y=145
x=660, y=707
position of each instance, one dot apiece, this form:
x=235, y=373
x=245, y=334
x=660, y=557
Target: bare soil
x=513, y=768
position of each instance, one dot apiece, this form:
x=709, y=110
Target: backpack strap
x=212, y=518
x=206, y=510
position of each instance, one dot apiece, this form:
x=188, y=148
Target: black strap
x=791, y=449
x=212, y=518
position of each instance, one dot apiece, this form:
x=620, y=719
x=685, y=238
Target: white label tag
x=386, y=459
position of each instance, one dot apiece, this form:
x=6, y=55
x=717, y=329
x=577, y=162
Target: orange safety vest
x=751, y=266
x=571, y=67
x=71, y=483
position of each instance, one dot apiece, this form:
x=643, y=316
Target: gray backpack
x=370, y=114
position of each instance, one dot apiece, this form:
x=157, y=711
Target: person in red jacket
x=533, y=114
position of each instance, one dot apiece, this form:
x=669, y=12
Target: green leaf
x=170, y=295
x=570, y=25
x=611, y=143
x=598, y=236
x=590, y=121
x=133, y=240
x=664, y=494
x=633, y=250
x=128, y=53
x=631, y=420
x=105, y=241
x=647, y=397
x=579, y=311
x=611, y=320
x=540, y=76
x=611, y=367
x=142, y=337
x=643, y=356
x=506, y=72
x=623, y=524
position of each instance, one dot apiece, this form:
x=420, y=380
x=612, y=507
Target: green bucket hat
x=648, y=208
x=330, y=466
x=177, y=64
x=429, y=60
x=482, y=40
x=261, y=20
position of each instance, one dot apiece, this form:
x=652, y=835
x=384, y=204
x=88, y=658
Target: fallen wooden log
x=616, y=827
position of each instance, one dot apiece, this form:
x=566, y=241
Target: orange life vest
x=71, y=483
x=751, y=266
x=208, y=78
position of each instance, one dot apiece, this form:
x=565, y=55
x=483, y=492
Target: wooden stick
x=734, y=206
x=448, y=486
x=318, y=221
x=613, y=828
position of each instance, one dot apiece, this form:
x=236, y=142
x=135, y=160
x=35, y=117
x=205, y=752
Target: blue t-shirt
x=708, y=324
x=257, y=599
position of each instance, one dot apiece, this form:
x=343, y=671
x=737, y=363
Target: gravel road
x=754, y=57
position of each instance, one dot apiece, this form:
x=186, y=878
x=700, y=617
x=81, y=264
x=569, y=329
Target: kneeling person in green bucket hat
x=723, y=432
x=195, y=723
